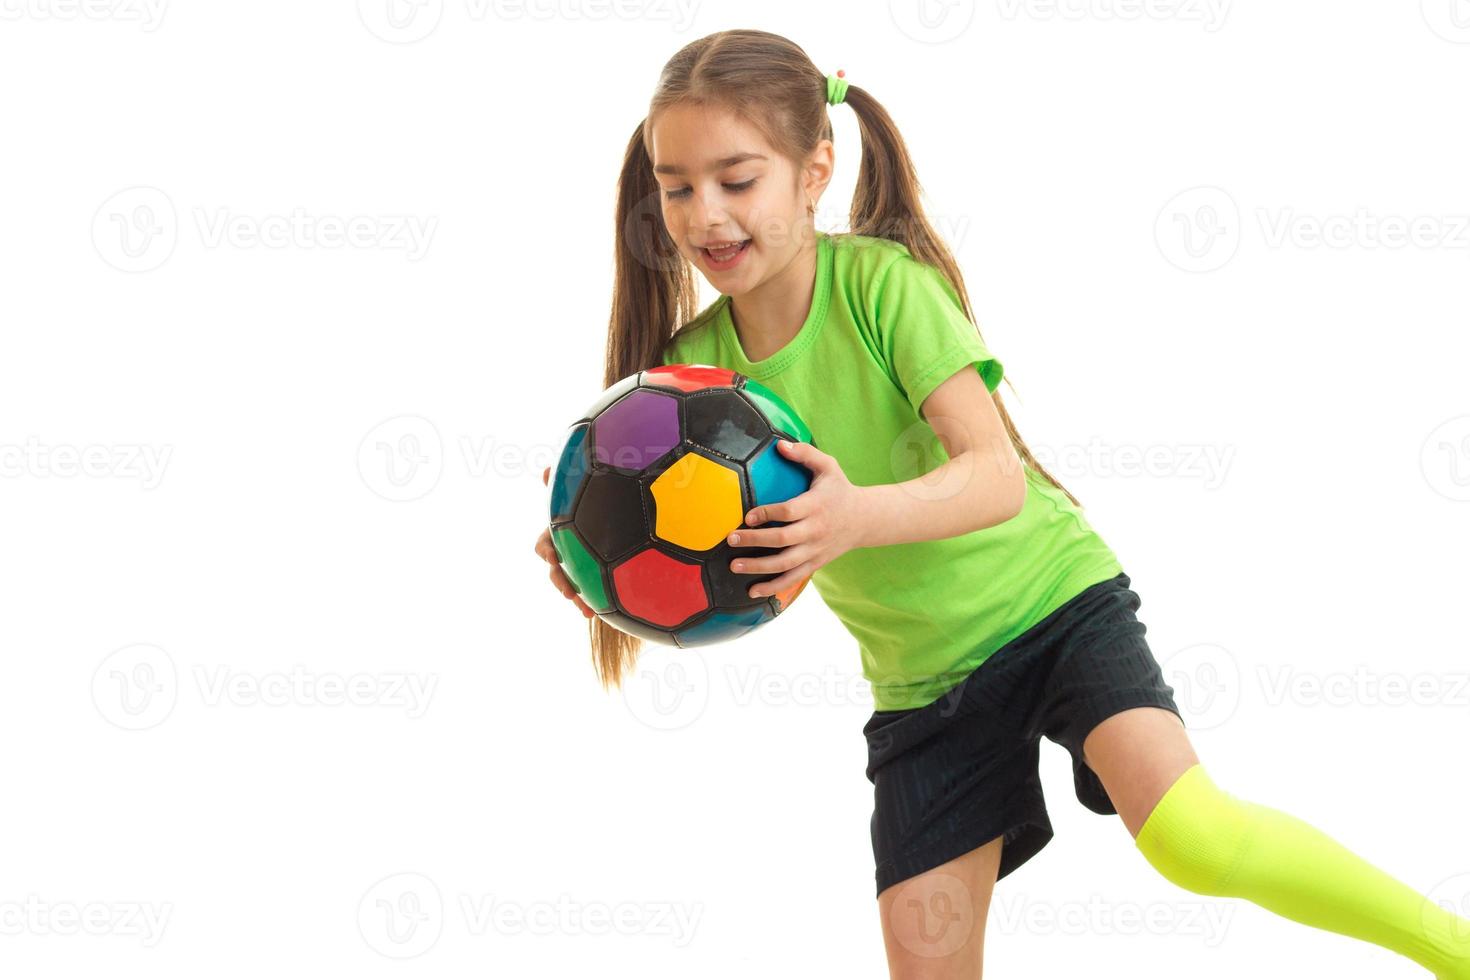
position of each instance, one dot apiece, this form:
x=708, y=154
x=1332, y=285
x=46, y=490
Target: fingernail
x=738, y=566
x=734, y=539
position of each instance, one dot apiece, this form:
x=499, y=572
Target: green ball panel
x=781, y=415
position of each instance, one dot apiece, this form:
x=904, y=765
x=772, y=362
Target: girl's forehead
x=712, y=131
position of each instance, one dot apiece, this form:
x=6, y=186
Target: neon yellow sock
x=1209, y=842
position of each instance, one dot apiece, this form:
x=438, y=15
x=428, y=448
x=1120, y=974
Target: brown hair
x=769, y=82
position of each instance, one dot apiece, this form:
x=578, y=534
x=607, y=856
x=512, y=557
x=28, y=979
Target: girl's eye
x=736, y=188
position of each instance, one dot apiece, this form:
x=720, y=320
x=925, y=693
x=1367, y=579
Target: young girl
x=987, y=611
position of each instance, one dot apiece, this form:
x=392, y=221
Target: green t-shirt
x=884, y=330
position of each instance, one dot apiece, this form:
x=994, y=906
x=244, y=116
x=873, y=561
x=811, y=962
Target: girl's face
x=721, y=183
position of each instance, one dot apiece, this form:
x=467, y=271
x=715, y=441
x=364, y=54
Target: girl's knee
x=1196, y=834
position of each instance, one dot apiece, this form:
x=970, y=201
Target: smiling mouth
x=726, y=252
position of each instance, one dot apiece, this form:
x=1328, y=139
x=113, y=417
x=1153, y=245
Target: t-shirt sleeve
x=923, y=333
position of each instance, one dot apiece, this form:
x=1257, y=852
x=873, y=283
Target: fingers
x=781, y=582
x=559, y=579
x=793, y=509
x=546, y=476
x=787, y=558
x=768, y=537
x=564, y=586
x=806, y=454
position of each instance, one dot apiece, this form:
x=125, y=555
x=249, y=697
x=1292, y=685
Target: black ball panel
x=732, y=589
x=610, y=515
x=725, y=422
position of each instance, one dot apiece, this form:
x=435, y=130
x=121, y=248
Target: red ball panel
x=659, y=588
x=689, y=377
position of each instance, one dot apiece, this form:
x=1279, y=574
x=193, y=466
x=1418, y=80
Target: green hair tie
x=836, y=87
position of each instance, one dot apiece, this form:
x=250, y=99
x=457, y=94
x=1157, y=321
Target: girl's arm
x=981, y=485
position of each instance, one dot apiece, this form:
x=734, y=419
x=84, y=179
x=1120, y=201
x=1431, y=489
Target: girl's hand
x=546, y=550
x=826, y=522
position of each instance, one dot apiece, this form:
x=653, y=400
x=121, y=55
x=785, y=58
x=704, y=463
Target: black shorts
x=962, y=770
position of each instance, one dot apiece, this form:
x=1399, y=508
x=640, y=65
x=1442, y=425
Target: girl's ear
x=817, y=173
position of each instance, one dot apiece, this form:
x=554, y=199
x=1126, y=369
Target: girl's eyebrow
x=669, y=168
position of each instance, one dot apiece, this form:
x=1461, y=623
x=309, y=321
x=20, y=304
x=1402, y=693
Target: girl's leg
x=934, y=923
x=1209, y=842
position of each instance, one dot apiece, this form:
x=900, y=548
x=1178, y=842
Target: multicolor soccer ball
x=650, y=483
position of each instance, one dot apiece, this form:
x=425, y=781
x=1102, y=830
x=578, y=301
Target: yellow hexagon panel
x=696, y=502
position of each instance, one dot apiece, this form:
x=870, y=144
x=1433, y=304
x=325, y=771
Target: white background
x=246, y=460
